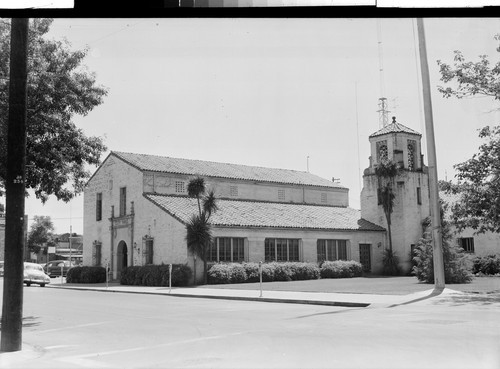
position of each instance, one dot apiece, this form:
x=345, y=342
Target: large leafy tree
x=59, y=87
x=478, y=186
x=478, y=181
x=40, y=233
x=198, y=235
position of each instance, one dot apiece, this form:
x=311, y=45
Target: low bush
x=156, y=275
x=341, y=269
x=488, y=265
x=252, y=271
x=223, y=273
x=304, y=271
x=282, y=271
x=86, y=274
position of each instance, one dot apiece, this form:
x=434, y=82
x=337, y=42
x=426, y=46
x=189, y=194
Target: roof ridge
x=210, y=161
x=166, y=164
x=399, y=128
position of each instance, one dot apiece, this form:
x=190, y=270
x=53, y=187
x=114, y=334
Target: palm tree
x=386, y=172
x=198, y=234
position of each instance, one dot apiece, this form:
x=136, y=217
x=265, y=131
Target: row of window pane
x=281, y=249
x=467, y=244
x=330, y=250
x=227, y=249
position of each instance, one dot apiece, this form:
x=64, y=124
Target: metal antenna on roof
x=382, y=101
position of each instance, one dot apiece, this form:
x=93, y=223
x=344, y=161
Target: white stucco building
x=136, y=209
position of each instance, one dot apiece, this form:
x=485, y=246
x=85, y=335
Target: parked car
x=53, y=268
x=1, y=268
x=34, y=274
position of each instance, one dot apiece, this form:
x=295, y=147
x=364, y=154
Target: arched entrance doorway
x=122, y=257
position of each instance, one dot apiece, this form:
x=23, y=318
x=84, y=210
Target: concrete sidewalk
x=312, y=298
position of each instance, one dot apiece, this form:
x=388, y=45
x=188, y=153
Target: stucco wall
x=407, y=215
x=165, y=184
x=484, y=244
x=308, y=244
x=111, y=176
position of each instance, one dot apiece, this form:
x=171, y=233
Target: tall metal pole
x=12, y=306
x=431, y=152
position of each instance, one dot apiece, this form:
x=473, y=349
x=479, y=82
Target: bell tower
x=401, y=145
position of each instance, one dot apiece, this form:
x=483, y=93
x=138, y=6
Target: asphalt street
x=88, y=329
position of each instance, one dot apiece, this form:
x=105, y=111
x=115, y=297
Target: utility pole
x=12, y=306
x=431, y=152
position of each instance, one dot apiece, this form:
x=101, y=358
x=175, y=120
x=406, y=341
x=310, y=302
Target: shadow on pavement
x=435, y=292
x=328, y=313
x=483, y=299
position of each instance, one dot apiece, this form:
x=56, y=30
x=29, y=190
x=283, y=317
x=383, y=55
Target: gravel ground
x=370, y=285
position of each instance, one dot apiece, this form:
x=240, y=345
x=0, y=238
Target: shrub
x=282, y=271
x=86, y=274
x=304, y=271
x=457, y=265
x=390, y=263
x=224, y=273
x=252, y=271
x=155, y=275
x=341, y=269
x=489, y=265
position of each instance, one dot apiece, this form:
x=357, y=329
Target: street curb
x=236, y=298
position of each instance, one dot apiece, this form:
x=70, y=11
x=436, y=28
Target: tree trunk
x=388, y=217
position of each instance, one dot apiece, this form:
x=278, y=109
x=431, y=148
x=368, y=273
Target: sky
x=282, y=93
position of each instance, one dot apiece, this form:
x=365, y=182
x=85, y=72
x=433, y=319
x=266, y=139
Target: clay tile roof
x=395, y=127
x=165, y=164
x=237, y=213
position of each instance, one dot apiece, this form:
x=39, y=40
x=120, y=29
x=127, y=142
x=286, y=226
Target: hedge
x=341, y=269
x=223, y=273
x=86, y=274
x=156, y=275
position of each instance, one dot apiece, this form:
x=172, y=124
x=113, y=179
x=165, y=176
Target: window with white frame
x=281, y=249
x=467, y=243
x=179, y=187
x=324, y=198
x=228, y=249
x=281, y=195
x=330, y=250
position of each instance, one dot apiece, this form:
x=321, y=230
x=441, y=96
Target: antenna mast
x=383, y=113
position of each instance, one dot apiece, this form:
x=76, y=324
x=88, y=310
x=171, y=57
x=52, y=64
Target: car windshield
x=33, y=267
